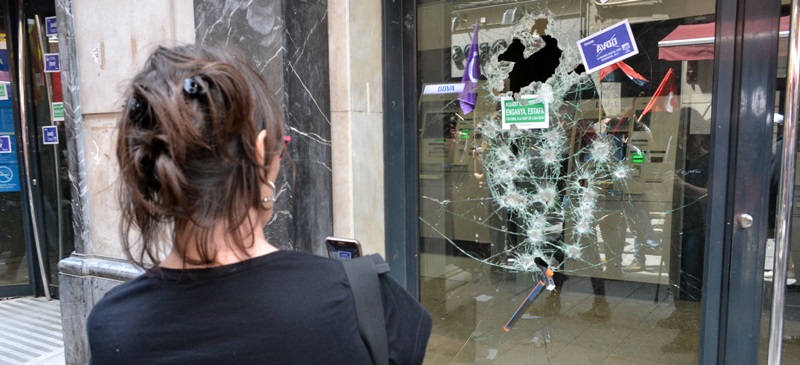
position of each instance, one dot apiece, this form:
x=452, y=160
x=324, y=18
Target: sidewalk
x=30, y=332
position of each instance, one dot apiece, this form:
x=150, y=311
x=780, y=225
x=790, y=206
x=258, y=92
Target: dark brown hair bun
x=186, y=146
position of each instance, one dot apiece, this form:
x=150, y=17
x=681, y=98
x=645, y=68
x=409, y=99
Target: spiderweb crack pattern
x=554, y=209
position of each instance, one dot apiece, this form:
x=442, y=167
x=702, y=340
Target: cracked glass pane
x=562, y=212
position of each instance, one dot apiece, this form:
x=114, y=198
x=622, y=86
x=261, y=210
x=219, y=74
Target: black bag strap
x=363, y=276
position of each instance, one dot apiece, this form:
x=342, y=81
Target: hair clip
x=192, y=87
x=136, y=109
x=138, y=113
x=134, y=106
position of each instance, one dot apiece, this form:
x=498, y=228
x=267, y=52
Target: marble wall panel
x=288, y=42
x=308, y=108
x=255, y=28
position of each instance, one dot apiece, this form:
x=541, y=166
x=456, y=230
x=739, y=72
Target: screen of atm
x=439, y=125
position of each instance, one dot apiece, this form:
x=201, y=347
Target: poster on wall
x=608, y=46
x=529, y=112
x=9, y=178
x=9, y=172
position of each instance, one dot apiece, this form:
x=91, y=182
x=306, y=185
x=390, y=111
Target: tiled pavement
x=30, y=332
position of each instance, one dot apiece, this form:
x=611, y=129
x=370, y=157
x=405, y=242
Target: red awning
x=693, y=42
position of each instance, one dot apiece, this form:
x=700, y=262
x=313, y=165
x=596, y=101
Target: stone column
x=102, y=46
x=355, y=36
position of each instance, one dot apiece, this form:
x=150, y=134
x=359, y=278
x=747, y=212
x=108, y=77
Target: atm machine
x=650, y=149
x=455, y=201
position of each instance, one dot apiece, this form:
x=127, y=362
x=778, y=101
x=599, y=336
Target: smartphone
x=343, y=248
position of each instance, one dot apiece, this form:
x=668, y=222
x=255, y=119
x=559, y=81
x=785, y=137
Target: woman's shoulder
x=295, y=261
x=121, y=300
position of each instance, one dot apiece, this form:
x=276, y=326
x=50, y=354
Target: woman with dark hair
x=199, y=144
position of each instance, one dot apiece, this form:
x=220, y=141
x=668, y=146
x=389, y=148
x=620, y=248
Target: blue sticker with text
x=9, y=178
x=5, y=144
x=50, y=134
x=8, y=152
x=50, y=26
x=52, y=63
x=608, y=46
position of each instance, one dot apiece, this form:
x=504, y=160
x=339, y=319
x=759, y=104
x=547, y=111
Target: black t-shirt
x=283, y=308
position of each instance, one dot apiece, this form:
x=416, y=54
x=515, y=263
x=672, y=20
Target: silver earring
x=269, y=199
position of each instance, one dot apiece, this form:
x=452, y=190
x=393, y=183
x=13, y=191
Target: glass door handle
x=745, y=220
x=56, y=153
x=26, y=143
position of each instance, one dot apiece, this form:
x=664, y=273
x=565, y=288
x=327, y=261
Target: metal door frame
x=745, y=71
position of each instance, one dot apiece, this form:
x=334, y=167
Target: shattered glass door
x=562, y=211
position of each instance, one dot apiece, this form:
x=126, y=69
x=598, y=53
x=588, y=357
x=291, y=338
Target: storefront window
x=13, y=257
x=599, y=177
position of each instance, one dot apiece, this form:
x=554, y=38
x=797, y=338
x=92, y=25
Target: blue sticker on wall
x=9, y=178
x=8, y=143
x=50, y=26
x=50, y=134
x=608, y=46
x=5, y=144
x=52, y=63
x=8, y=154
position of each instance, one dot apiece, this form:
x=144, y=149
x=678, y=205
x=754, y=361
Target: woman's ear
x=261, y=147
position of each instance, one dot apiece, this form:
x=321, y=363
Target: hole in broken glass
x=539, y=66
